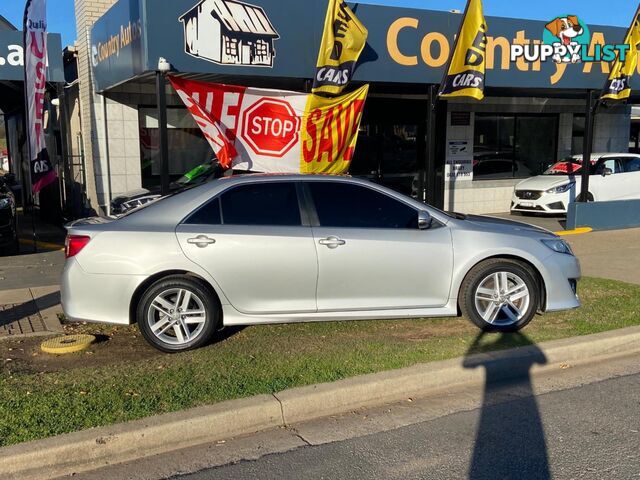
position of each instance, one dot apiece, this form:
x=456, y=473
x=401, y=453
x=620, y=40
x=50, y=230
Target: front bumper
x=561, y=281
x=550, y=203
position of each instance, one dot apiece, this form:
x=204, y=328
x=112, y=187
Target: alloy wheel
x=177, y=316
x=502, y=299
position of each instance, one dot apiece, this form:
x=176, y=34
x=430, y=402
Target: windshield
x=567, y=166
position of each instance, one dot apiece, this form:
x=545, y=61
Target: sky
x=617, y=12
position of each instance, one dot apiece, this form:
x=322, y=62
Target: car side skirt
x=232, y=317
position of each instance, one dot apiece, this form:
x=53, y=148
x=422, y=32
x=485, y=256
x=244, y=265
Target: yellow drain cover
x=67, y=344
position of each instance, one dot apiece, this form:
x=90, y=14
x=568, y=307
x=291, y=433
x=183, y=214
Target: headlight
x=5, y=203
x=562, y=188
x=559, y=246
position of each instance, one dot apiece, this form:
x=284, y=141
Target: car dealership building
x=533, y=115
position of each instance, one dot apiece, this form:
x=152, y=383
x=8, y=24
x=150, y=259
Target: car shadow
x=225, y=334
x=510, y=441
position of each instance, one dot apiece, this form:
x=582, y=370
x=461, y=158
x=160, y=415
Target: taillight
x=74, y=244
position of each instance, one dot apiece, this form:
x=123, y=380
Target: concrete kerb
x=59, y=456
x=54, y=457
x=305, y=403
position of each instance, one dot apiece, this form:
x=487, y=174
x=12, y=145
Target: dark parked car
x=8, y=222
x=131, y=200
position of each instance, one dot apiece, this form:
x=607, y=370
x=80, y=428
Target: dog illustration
x=566, y=29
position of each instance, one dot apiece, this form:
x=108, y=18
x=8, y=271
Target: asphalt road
x=589, y=432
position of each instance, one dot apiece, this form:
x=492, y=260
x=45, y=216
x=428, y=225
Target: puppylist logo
x=567, y=39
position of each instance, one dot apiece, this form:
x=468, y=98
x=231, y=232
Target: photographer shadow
x=510, y=441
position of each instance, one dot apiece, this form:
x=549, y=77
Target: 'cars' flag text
x=618, y=86
x=265, y=130
x=466, y=73
x=35, y=77
x=343, y=40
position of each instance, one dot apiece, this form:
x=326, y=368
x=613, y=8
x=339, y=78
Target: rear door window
x=264, y=203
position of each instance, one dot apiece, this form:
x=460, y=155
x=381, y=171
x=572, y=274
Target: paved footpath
x=29, y=294
x=613, y=254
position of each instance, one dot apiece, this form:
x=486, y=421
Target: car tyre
x=178, y=313
x=500, y=295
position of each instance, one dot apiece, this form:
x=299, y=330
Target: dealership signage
x=404, y=45
x=116, y=50
x=229, y=32
x=12, y=56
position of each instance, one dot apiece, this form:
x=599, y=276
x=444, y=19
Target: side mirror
x=607, y=172
x=424, y=220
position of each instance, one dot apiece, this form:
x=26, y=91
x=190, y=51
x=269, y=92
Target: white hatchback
x=614, y=176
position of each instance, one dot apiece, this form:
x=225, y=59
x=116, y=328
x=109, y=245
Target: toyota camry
x=265, y=249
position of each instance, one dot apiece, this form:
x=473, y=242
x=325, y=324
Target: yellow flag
x=343, y=40
x=465, y=77
x=330, y=131
x=618, y=86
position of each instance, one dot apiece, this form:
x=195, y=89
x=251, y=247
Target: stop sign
x=271, y=127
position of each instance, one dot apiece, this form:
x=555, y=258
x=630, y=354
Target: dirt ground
x=118, y=345
x=114, y=345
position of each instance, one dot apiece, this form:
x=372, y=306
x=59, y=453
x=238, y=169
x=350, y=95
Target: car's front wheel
x=500, y=295
x=177, y=314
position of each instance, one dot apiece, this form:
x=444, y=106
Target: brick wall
x=87, y=12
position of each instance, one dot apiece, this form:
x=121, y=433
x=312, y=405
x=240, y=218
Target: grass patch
x=99, y=387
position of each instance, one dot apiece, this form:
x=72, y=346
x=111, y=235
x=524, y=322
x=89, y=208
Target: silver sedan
x=262, y=249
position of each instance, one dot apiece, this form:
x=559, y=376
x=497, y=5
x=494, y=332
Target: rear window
x=208, y=214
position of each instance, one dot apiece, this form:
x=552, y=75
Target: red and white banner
x=273, y=130
x=35, y=74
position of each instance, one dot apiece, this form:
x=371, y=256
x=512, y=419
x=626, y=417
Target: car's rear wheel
x=500, y=295
x=177, y=314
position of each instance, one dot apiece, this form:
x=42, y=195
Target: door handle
x=332, y=242
x=201, y=241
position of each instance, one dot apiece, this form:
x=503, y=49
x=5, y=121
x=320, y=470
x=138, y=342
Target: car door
x=371, y=253
x=252, y=241
x=608, y=187
x=630, y=184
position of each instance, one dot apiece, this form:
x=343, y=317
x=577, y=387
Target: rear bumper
x=97, y=298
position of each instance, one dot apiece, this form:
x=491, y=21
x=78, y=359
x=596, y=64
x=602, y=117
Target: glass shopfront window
x=391, y=144
x=187, y=147
x=634, y=139
x=388, y=154
x=513, y=146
